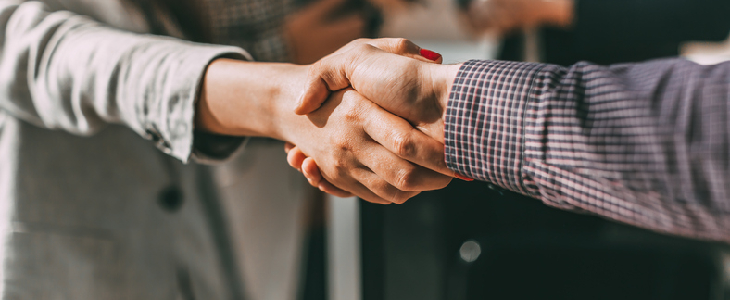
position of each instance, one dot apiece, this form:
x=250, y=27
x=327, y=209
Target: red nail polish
x=463, y=178
x=428, y=54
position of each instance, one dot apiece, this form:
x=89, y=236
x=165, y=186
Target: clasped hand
x=399, y=98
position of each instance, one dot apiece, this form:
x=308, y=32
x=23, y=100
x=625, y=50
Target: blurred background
x=469, y=241
x=476, y=241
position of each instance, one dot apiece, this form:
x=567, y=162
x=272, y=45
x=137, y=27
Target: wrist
x=442, y=77
x=242, y=98
x=437, y=98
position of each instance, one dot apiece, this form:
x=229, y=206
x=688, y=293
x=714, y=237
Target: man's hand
x=365, y=150
x=406, y=87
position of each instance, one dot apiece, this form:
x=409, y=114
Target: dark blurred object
x=479, y=242
x=371, y=14
x=537, y=270
x=523, y=249
x=313, y=284
x=617, y=31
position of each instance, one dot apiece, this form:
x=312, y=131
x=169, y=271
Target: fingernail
x=430, y=54
x=463, y=178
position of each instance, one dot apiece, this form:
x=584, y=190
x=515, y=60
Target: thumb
x=330, y=73
x=324, y=76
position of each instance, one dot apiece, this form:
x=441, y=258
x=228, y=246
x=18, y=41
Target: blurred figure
x=505, y=16
x=600, y=31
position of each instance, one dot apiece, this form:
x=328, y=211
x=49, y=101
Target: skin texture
x=410, y=88
x=360, y=147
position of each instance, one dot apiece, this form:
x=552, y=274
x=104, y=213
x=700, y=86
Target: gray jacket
x=91, y=204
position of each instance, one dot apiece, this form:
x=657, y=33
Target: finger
x=328, y=74
x=295, y=158
x=375, y=185
x=406, y=48
x=400, y=138
x=328, y=188
x=288, y=146
x=310, y=169
x=364, y=193
x=363, y=184
x=398, y=172
x=430, y=57
x=314, y=177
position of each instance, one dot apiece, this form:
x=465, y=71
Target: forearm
x=642, y=144
x=248, y=99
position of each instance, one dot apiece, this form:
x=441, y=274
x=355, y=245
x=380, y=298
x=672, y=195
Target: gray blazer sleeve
x=60, y=70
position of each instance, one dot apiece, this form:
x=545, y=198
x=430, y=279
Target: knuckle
x=352, y=116
x=352, y=112
x=402, y=45
x=339, y=171
x=315, y=70
x=400, y=198
x=443, y=183
x=403, y=145
x=406, y=179
x=340, y=160
x=356, y=43
x=342, y=148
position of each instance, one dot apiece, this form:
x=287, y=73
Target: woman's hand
x=309, y=168
x=305, y=164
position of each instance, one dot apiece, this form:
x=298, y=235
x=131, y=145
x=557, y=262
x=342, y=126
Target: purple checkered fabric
x=644, y=144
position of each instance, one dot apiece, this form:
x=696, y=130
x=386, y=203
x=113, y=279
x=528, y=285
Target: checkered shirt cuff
x=494, y=93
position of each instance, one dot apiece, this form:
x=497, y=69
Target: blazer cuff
x=172, y=127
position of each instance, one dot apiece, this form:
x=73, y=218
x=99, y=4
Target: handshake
x=375, y=119
x=367, y=120
x=379, y=106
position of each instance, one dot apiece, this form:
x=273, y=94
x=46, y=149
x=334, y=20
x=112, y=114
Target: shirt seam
x=521, y=151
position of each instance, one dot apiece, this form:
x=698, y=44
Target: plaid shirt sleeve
x=644, y=144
